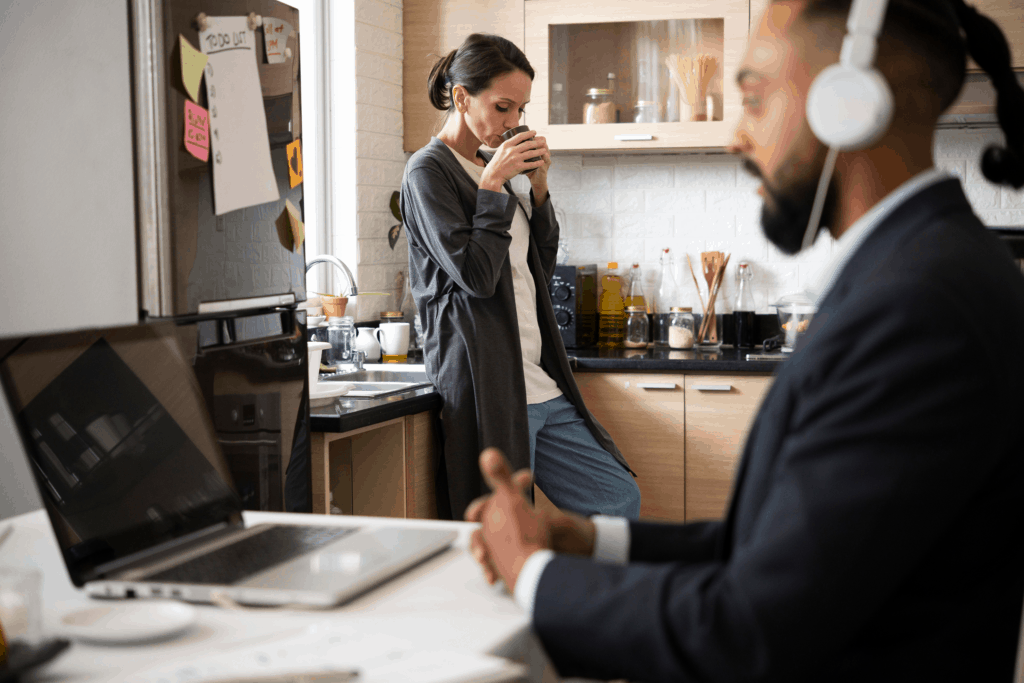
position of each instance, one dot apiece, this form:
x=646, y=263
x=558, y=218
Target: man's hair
x=941, y=33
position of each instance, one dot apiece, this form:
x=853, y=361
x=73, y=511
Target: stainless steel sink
x=381, y=380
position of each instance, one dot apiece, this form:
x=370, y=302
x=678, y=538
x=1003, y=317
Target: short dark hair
x=479, y=60
x=943, y=33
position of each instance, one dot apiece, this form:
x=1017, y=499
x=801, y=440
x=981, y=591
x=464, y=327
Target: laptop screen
x=119, y=440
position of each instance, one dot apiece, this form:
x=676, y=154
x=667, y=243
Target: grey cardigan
x=461, y=280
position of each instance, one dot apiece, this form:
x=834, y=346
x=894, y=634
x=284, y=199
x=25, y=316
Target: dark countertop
x=726, y=359
x=346, y=414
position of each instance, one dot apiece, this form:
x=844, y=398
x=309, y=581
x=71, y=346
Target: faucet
x=335, y=261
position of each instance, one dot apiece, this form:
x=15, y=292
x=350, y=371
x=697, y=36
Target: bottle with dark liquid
x=744, y=310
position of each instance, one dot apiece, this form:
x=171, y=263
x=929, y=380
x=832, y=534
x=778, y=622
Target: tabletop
x=443, y=604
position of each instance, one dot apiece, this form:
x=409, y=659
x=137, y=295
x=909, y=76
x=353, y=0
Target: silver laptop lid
x=119, y=439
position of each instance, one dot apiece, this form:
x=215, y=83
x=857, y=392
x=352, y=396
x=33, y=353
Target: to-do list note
x=242, y=171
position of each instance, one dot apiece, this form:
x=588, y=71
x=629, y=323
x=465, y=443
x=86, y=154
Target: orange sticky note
x=298, y=229
x=192, y=64
x=295, y=162
x=197, y=131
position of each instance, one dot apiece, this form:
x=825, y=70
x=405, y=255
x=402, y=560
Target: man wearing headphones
x=876, y=526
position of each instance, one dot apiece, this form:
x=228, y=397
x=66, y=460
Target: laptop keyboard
x=251, y=555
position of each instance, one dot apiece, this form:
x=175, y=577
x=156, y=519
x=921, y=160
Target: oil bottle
x=635, y=297
x=611, y=331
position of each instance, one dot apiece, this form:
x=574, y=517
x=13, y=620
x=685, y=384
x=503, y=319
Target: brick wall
x=379, y=156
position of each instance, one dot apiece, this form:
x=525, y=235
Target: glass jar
x=645, y=111
x=341, y=335
x=599, y=107
x=636, y=327
x=392, y=317
x=680, y=328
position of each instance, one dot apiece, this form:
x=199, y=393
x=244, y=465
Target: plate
x=324, y=393
x=128, y=622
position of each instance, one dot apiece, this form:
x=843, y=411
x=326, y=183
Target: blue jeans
x=572, y=469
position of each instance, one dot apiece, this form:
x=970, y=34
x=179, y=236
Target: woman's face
x=496, y=109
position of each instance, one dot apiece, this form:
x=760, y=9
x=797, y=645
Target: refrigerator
x=109, y=219
x=114, y=220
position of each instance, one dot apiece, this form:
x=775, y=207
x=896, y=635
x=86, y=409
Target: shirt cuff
x=611, y=540
x=529, y=579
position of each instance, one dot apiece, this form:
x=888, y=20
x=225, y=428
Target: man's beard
x=787, y=210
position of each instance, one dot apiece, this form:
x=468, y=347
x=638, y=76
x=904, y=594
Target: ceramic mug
x=394, y=341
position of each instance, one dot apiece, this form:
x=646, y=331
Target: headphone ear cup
x=849, y=108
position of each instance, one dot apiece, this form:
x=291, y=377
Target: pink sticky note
x=197, y=131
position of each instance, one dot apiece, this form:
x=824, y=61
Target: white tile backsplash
x=707, y=202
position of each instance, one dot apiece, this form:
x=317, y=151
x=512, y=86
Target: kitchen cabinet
x=574, y=44
x=431, y=29
x=719, y=412
x=383, y=470
x=681, y=433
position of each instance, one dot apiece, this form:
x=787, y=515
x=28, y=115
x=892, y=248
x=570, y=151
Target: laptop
x=140, y=497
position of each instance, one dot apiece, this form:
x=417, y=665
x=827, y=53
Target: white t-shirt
x=539, y=385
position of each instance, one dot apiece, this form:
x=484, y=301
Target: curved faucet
x=335, y=261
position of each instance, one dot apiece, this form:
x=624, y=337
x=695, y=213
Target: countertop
x=726, y=359
x=346, y=414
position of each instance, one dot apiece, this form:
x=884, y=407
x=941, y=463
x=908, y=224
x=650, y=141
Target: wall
x=379, y=156
x=628, y=208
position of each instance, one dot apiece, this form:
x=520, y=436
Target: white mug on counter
x=394, y=342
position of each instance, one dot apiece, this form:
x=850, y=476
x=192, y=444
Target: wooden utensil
x=700, y=298
x=706, y=322
x=710, y=262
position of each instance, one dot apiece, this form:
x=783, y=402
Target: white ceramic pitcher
x=367, y=343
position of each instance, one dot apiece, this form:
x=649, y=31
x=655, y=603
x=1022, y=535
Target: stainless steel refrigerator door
x=191, y=260
x=67, y=196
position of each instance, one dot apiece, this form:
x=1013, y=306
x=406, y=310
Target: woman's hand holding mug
x=522, y=152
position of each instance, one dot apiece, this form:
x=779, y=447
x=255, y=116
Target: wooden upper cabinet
x=1009, y=14
x=431, y=29
x=574, y=44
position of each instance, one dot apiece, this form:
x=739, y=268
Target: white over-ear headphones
x=850, y=105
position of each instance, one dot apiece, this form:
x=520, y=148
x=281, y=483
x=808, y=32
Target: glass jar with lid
x=392, y=317
x=680, y=328
x=636, y=327
x=599, y=107
x=341, y=334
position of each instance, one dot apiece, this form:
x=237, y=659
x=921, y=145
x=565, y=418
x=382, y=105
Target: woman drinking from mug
x=480, y=261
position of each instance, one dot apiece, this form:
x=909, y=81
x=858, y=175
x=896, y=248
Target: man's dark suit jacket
x=876, y=526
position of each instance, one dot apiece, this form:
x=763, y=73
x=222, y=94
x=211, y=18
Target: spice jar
x=599, y=107
x=636, y=327
x=645, y=111
x=680, y=328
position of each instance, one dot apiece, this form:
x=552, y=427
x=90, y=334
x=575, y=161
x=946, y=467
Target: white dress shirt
x=612, y=540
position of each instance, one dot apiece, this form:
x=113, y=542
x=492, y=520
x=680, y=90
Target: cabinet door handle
x=634, y=137
x=712, y=387
x=656, y=385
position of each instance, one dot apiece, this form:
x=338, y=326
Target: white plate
x=128, y=622
x=325, y=392
x=314, y=320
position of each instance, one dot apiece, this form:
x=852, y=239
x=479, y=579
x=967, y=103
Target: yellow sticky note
x=192, y=64
x=298, y=229
x=294, y=150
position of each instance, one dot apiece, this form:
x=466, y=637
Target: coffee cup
x=394, y=342
x=511, y=133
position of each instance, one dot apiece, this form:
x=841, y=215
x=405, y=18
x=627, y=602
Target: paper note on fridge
x=197, y=131
x=275, y=38
x=242, y=171
x=192, y=64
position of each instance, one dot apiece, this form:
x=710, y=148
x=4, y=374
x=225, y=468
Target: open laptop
x=124, y=454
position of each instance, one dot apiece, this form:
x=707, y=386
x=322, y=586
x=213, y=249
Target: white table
x=443, y=604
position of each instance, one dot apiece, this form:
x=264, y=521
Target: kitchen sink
x=381, y=380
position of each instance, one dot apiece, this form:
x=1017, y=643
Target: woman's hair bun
x=438, y=82
x=1002, y=166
